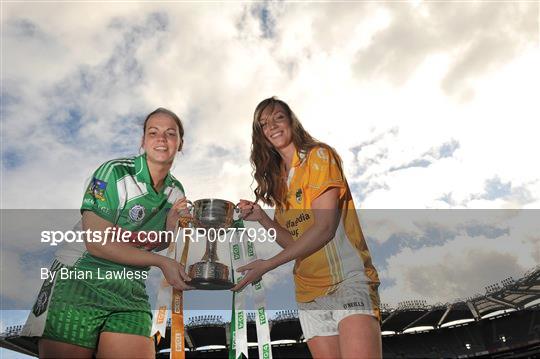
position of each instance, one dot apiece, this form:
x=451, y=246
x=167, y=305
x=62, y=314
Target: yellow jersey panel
x=347, y=254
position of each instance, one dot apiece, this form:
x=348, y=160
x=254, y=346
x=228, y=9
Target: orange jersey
x=347, y=254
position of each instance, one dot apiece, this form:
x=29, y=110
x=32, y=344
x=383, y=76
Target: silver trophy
x=209, y=273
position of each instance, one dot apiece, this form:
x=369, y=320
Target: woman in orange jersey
x=316, y=225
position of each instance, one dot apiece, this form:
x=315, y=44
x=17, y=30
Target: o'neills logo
x=161, y=314
x=301, y=218
x=266, y=351
x=353, y=305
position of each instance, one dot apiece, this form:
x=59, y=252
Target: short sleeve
x=324, y=173
x=175, y=192
x=101, y=195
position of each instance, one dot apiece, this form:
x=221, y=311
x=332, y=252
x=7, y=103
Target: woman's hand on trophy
x=175, y=274
x=179, y=210
x=250, y=211
x=255, y=271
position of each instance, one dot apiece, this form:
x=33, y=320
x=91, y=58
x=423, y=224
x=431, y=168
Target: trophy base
x=209, y=276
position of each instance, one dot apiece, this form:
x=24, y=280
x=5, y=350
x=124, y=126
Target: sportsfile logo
x=236, y=252
x=262, y=316
x=137, y=214
x=266, y=351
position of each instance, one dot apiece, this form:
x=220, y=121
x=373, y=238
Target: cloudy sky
x=430, y=104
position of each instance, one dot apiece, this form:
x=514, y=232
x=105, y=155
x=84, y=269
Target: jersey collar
x=143, y=173
x=298, y=158
x=141, y=169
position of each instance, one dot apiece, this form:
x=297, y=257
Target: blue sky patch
x=267, y=21
x=495, y=188
x=12, y=159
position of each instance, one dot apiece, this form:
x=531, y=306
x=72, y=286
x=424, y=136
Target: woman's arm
x=253, y=212
x=139, y=238
x=115, y=251
x=326, y=220
x=124, y=254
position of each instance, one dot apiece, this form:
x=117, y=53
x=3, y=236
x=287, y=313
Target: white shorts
x=321, y=316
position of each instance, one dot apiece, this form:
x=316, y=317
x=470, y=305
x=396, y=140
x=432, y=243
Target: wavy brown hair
x=268, y=166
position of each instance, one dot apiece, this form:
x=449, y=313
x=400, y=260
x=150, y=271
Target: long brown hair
x=268, y=166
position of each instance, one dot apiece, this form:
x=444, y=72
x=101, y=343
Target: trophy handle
x=187, y=222
x=189, y=206
x=236, y=213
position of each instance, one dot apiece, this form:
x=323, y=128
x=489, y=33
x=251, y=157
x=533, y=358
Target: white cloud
x=213, y=69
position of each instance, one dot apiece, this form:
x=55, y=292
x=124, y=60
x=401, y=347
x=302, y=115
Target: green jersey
x=121, y=192
x=89, y=295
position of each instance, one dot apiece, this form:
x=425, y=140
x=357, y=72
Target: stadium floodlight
x=468, y=346
x=508, y=281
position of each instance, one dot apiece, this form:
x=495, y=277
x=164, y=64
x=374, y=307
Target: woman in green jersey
x=95, y=303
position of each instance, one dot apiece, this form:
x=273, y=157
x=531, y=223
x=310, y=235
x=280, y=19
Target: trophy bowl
x=213, y=213
x=208, y=273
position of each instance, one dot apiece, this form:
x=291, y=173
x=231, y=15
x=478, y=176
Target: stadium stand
x=502, y=323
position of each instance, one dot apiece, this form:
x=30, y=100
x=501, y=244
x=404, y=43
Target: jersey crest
x=97, y=189
x=137, y=213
